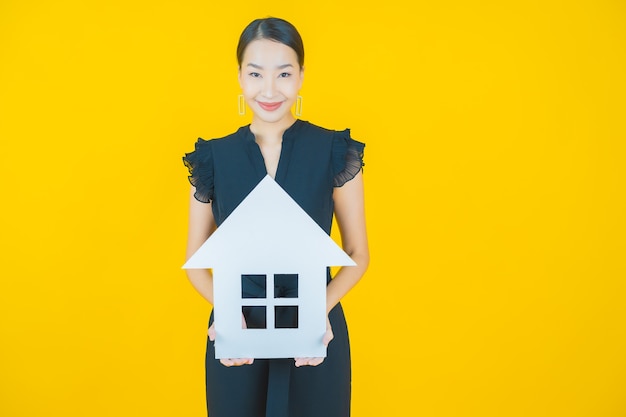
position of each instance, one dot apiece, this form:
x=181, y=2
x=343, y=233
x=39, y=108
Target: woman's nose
x=269, y=89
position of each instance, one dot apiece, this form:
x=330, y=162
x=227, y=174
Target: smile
x=270, y=106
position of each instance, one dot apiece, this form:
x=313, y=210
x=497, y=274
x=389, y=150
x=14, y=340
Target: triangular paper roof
x=268, y=230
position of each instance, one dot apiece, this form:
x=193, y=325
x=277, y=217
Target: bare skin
x=270, y=73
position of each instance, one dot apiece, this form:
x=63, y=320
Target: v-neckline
x=256, y=156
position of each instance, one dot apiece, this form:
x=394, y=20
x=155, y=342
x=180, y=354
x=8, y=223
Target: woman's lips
x=269, y=106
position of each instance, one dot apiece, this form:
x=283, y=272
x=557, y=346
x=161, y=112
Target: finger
x=236, y=361
x=328, y=336
x=300, y=361
x=211, y=333
x=315, y=361
x=243, y=361
x=308, y=361
x=227, y=362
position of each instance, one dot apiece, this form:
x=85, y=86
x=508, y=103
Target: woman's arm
x=350, y=214
x=201, y=226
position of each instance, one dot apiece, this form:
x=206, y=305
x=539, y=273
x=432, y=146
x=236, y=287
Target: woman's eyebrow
x=283, y=66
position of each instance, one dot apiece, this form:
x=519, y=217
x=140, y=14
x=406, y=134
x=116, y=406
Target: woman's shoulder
x=317, y=130
x=313, y=130
x=346, y=152
x=224, y=140
x=341, y=138
x=201, y=162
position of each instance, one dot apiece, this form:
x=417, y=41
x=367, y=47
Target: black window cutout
x=255, y=317
x=254, y=286
x=286, y=317
x=285, y=285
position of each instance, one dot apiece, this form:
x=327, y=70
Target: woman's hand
x=328, y=336
x=231, y=361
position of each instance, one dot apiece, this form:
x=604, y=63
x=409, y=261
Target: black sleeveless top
x=312, y=161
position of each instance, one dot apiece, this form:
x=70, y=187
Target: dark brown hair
x=274, y=29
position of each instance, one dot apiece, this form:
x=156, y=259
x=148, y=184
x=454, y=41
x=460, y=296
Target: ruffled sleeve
x=200, y=166
x=347, y=157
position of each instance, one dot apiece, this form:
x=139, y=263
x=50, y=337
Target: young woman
x=321, y=170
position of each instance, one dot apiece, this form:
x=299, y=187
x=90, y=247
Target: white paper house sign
x=269, y=237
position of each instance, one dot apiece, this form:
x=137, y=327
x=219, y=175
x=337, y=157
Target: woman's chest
x=302, y=169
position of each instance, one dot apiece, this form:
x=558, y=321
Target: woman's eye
x=255, y=74
x=284, y=75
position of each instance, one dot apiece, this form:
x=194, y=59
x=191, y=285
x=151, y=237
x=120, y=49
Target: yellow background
x=495, y=200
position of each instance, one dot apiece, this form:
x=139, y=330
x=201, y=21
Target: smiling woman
x=270, y=77
x=321, y=170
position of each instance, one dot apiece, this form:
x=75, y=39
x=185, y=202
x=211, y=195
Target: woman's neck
x=268, y=132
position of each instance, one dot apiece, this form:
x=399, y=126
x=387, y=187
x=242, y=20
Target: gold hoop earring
x=299, y=106
x=241, y=105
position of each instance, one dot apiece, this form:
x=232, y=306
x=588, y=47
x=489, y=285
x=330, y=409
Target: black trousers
x=276, y=388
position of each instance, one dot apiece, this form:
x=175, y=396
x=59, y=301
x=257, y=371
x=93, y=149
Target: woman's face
x=270, y=78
